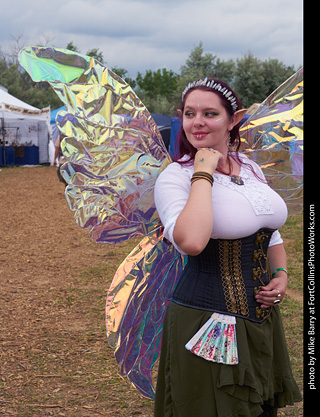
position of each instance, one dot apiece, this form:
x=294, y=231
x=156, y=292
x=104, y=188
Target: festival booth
x=24, y=132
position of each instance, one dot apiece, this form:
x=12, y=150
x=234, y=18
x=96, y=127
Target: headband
x=214, y=86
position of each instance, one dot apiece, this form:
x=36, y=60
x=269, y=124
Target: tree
x=198, y=65
x=156, y=89
x=275, y=73
x=249, y=80
x=255, y=80
x=72, y=47
x=201, y=65
x=10, y=78
x=160, y=82
x=122, y=74
x=225, y=70
x=94, y=53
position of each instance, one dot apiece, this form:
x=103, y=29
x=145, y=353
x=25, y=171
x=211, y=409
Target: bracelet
x=202, y=175
x=277, y=270
x=201, y=178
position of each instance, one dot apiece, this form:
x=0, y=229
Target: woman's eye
x=211, y=114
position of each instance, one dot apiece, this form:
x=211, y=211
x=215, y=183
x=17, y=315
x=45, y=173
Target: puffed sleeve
x=171, y=193
x=275, y=238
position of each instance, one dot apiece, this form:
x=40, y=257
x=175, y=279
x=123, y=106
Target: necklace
x=236, y=179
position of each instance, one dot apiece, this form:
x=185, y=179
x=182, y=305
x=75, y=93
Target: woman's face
x=205, y=121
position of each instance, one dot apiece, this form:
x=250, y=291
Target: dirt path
x=54, y=357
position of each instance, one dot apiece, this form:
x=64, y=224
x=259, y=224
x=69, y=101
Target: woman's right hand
x=207, y=159
x=192, y=231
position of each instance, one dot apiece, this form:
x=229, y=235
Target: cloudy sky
x=150, y=34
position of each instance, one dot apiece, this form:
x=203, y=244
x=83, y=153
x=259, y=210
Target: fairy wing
x=136, y=304
x=113, y=147
x=273, y=137
x=115, y=153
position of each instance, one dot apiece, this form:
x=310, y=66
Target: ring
x=276, y=301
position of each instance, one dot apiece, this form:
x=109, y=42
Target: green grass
x=292, y=233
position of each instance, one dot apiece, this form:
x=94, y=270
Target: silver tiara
x=215, y=86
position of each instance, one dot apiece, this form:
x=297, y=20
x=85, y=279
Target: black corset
x=226, y=276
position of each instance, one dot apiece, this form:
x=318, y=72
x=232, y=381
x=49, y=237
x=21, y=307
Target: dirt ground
x=54, y=358
x=53, y=282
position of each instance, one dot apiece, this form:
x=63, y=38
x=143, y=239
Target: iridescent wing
x=136, y=304
x=115, y=153
x=273, y=137
x=113, y=147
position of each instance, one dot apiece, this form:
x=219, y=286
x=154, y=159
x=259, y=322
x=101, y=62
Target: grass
x=292, y=233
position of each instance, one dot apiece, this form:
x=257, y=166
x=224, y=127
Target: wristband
x=201, y=175
x=277, y=270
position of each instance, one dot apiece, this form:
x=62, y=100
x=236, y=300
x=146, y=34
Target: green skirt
x=190, y=386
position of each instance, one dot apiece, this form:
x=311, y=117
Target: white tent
x=8, y=99
x=23, y=126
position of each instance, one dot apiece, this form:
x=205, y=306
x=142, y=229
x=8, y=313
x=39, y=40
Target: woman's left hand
x=275, y=290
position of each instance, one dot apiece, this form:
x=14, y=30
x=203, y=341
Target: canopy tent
x=9, y=100
x=24, y=131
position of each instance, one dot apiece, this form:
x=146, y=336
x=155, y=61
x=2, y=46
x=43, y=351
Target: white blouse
x=238, y=210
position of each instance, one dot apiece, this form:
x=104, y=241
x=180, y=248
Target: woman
x=217, y=208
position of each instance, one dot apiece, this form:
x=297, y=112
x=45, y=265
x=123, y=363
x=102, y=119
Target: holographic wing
x=136, y=304
x=115, y=153
x=113, y=147
x=273, y=137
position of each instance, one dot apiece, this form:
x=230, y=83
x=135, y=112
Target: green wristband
x=277, y=270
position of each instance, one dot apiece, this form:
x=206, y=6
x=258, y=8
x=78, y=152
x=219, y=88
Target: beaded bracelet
x=202, y=175
x=277, y=270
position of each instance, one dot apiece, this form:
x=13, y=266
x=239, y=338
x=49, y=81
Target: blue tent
x=54, y=114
